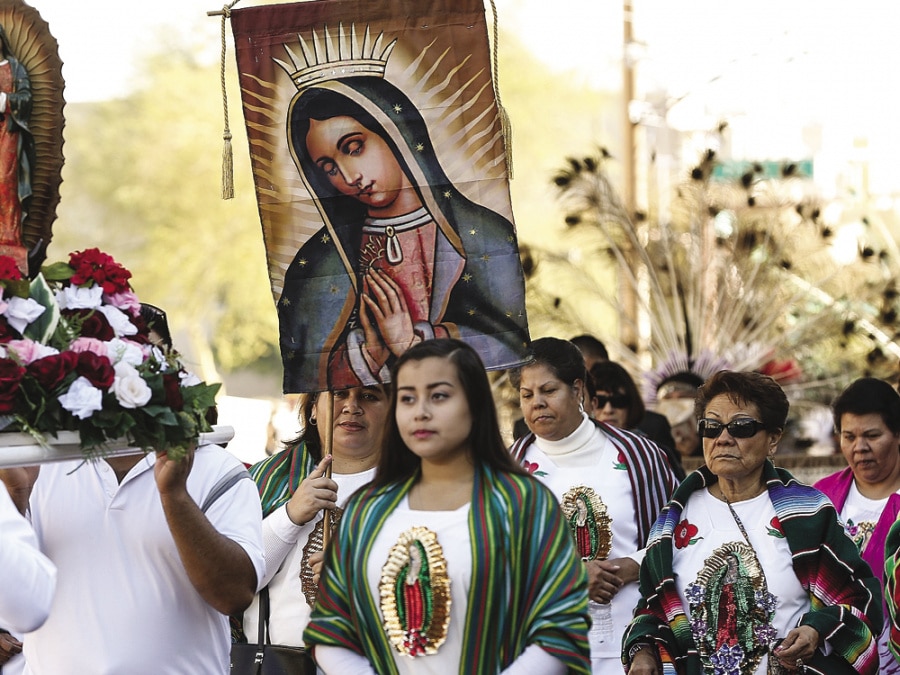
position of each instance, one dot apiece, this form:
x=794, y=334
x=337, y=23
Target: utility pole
x=629, y=333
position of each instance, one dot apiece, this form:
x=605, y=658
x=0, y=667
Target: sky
x=101, y=41
x=778, y=71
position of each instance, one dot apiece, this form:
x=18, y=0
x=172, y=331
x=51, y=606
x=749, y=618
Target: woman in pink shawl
x=867, y=421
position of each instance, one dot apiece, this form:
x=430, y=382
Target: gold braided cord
x=227, y=154
x=505, y=125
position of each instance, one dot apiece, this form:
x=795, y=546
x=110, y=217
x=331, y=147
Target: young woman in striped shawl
x=453, y=560
x=295, y=492
x=747, y=570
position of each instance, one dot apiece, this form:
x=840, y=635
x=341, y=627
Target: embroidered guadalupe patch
x=686, y=534
x=860, y=532
x=731, y=610
x=588, y=521
x=415, y=593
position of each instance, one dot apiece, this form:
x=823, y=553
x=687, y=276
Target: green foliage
x=45, y=325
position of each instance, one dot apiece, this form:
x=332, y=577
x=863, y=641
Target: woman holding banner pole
x=298, y=490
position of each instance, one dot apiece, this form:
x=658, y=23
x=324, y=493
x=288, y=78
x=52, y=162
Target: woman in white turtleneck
x=611, y=485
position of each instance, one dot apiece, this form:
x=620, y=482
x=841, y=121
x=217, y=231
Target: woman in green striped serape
x=453, y=560
x=294, y=493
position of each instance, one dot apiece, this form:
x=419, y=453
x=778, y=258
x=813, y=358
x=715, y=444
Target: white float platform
x=18, y=449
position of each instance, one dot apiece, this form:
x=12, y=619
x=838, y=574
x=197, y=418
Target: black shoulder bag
x=264, y=658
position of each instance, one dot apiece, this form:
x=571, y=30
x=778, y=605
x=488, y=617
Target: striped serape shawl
x=528, y=584
x=892, y=584
x=652, y=480
x=845, y=597
x=279, y=476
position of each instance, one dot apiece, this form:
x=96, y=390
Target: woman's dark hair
x=309, y=432
x=612, y=377
x=869, y=396
x=747, y=387
x=560, y=356
x=397, y=462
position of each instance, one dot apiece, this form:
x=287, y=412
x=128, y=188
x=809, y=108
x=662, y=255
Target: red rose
x=97, y=369
x=143, y=331
x=11, y=374
x=9, y=269
x=684, y=533
x=7, y=332
x=93, y=265
x=530, y=467
x=94, y=324
x=50, y=371
x=172, y=387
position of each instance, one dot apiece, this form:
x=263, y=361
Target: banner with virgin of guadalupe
x=379, y=167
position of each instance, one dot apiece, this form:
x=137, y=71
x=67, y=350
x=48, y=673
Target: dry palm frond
x=742, y=275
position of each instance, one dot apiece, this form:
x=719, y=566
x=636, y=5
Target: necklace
x=737, y=519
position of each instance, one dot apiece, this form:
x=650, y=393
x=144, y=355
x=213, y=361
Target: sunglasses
x=617, y=401
x=744, y=427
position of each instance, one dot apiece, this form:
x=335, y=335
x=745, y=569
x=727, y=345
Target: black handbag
x=264, y=658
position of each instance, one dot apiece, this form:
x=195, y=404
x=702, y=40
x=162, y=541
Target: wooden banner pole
x=327, y=448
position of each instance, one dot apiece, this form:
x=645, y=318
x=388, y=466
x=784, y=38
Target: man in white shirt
x=147, y=578
x=29, y=578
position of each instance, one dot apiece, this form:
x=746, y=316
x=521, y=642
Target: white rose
x=83, y=399
x=20, y=312
x=188, y=379
x=118, y=320
x=157, y=355
x=125, y=351
x=130, y=389
x=77, y=297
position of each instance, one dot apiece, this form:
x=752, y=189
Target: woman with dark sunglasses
x=615, y=400
x=747, y=570
x=611, y=485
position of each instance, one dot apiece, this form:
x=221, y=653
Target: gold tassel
x=505, y=125
x=227, y=168
x=227, y=154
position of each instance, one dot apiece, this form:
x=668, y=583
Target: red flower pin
x=685, y=534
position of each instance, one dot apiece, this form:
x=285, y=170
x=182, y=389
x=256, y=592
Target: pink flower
x=126, y=301
x=28, y=350
x=88, y=344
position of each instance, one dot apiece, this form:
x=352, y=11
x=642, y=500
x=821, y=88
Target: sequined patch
x=415, y=593
x=588, y=521
x=314, y=545
x=860, y=533
x=731, y=612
